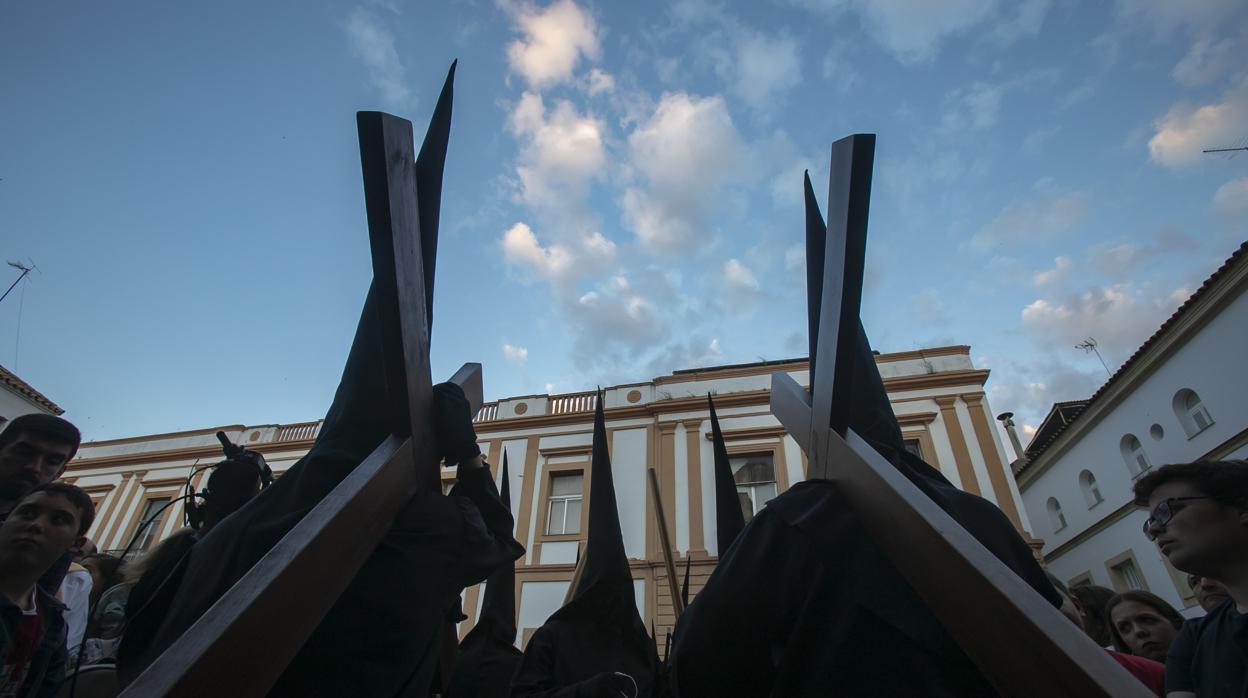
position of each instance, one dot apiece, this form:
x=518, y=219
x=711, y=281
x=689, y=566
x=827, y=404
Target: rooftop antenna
x=1089, y=345
x=24, y=269
x=1230, y=150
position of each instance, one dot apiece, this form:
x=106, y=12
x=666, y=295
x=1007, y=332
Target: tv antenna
x=1089, y=345
x=25, y=270
x=1230, y=150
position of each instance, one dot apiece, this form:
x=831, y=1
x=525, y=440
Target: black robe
x=804, y=603
x=598, y=632
x=488, y=655
x=381, y=637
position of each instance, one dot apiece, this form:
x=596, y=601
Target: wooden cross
x=1017, y=639
x=241, y=645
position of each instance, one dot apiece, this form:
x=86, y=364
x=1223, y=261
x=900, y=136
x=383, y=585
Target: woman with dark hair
x=1092, y=602
x=1142, y=624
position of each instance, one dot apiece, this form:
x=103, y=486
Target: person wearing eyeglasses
x=1198, y=517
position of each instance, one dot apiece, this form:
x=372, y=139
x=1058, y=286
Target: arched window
x=1056, y=517
x=1192, y=413
x=1133, y=454
x=1092, y=493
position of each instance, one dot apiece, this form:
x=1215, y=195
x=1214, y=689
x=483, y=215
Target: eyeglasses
x=1163, y=512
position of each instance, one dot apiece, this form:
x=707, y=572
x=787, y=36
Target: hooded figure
x=729, y=519
x=488, y=656
x=381, y=637
x=596, y=645
x=805, y=603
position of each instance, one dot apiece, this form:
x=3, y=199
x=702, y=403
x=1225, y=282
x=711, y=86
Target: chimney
x=1007, y=420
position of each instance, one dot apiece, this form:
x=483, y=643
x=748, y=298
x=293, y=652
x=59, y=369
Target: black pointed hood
x=872, y=415
x=605, y=591
x=729, y=520
x=498, y=608
x=684, y=587
x=430, y=163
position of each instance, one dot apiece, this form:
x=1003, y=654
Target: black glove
x=454, y=436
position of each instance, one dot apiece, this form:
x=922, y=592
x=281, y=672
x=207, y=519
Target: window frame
x=1131, y=456
x=1189, y=417
x=1113, y=564
x=1056, y=515
x=549, y=472
x=742, y=451
x=1090, y=488
x=149, y=494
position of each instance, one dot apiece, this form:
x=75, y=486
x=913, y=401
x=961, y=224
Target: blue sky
x=623, y=189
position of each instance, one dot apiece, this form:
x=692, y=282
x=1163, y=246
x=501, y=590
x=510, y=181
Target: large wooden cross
x=241, y=645
x=1017, y=639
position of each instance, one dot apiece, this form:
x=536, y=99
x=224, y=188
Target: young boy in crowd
x=37, y=533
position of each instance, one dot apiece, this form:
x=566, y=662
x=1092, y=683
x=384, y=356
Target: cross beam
x=241, y=645
x=1017, y=639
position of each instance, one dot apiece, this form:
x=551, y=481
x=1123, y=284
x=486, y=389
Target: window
x=1126, y=576
x=1192, y=413
x=755, y=475
x=1092, y=493
x=913, y=446
x=148, y=536
x=564, y=518
x=1056, y=517
x=1133, y=454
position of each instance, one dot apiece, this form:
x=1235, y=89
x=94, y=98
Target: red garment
x=1149, y=672
x=21, y=651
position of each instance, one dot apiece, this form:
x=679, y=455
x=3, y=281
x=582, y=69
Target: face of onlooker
x=28, y=461
x=1209, y=594
x=1201, y=534
x=37, y=532
x=1144, y=630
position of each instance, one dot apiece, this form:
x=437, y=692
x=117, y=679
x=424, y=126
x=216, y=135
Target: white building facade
x=664, y=424
x=17, y=398
x=1183, y=396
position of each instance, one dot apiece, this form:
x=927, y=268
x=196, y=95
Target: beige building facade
x=938, y=395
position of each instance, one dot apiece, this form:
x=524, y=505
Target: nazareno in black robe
x=381, y=638
x=599, y=631
x=806, y=604
x=488, y=655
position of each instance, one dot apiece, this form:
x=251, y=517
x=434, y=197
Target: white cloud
x=929, y=308
x=1026, y=22
x=1061, y=266
x=685, y=155
x=1165, y=17
x=738, y=276
x=557, y=263
x=795, y=258
x=514, y=354
x=973, y=108
x=1185, y=130
x=912, y=30
x=599, y=81
x=1034, y=219
x=1232, y=197
x=1206, y=61
x=1120, y=317
x=837, y=69
x=1034, y=142
x=739, y=290
x=554, y=40
x=373, y=44
x=561, y=153
x=765, y=68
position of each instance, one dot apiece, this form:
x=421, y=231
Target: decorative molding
x=750, y=433
x=1104, y=523
x=559, y=451
x=916, y=419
